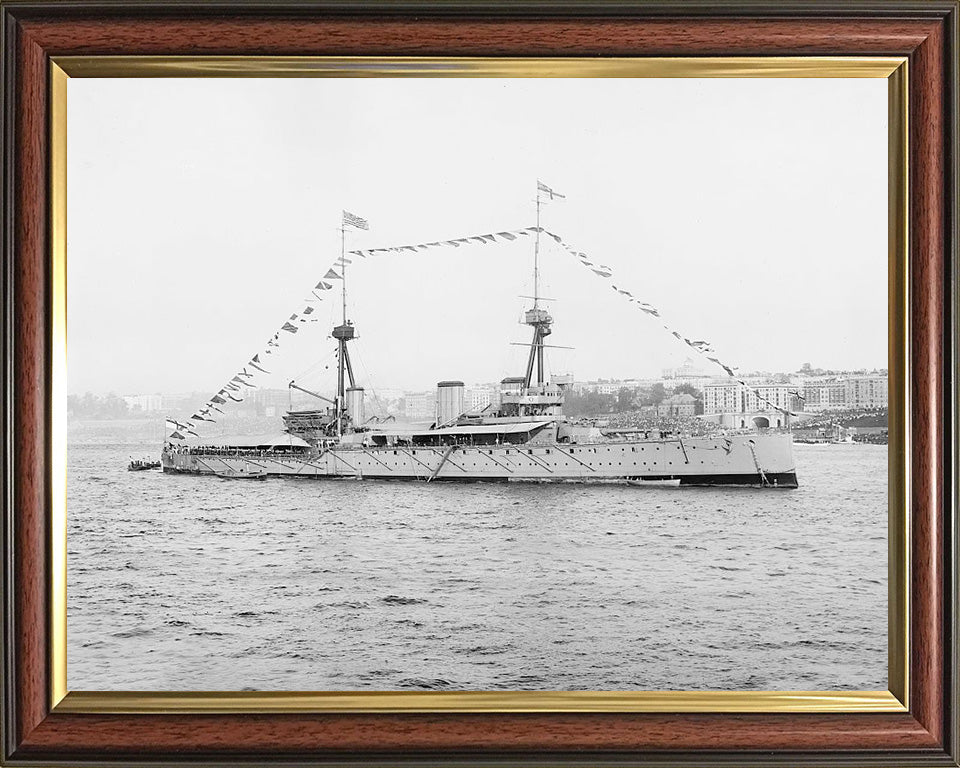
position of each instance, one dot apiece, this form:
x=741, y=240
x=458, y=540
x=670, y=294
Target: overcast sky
x=752, y=213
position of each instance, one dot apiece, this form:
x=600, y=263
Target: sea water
x=201, y=583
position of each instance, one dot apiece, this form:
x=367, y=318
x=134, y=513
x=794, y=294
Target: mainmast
x=343, y=268
x=538, y=319
x=536, y=258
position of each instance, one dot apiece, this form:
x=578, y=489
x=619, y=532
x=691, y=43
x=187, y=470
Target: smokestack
x=449, y=401
x=354, y=398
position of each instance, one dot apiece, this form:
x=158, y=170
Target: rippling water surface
x=192, y=583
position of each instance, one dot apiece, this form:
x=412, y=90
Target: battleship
x=523, y=437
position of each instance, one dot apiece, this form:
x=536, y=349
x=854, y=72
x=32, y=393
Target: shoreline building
x=732, y=404
x=688, y=373
x=600, y=386
x=419, y=406
x=867, y=391
x=424, y=405
x=144, y=403
x=824, y=395
x=846, y=392
x=677, y=406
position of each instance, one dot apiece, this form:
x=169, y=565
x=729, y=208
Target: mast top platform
x=537, y=316
x=345, y=331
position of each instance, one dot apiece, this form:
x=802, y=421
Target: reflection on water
x=188, y=583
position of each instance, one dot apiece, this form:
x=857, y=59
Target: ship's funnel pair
x=450, y=402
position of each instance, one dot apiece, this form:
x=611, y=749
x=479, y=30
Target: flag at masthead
x=541, y=187
x=352, y=220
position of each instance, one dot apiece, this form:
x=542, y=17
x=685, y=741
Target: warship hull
x=760, y=460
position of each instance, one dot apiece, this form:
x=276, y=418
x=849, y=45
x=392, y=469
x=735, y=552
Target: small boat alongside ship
x=525, y=437
x=669, y=483
x=139, y=465
x=243, y=472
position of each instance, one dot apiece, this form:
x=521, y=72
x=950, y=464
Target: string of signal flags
x=239, y=382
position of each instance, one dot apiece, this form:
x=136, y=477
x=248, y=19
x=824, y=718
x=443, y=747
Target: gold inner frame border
x=895, y=699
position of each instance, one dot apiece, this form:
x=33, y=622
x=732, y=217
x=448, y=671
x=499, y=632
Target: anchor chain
x=764, y=483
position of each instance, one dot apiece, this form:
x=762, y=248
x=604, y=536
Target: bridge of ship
x=480, y=434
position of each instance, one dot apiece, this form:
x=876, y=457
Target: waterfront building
x=732, y=404
x=723, y=397
x=689, y=370
x=677, y=406
x=845, y=392
x=606, y=387
x=869, y=391
x=144, y=403
x=477, y=399
x=420, y=406
x=480, y=396
x=824, y=395
x=600, y=387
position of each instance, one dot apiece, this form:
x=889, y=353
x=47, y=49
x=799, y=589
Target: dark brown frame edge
x=31, y=32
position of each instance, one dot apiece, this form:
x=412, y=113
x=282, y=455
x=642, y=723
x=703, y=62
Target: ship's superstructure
x=524, y=437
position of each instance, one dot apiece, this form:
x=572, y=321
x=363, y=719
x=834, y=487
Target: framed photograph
x=466, y=383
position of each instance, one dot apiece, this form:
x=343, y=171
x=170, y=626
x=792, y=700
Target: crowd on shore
x=678, y=425
x=863, y=417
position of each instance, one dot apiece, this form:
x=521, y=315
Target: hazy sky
x=752, y=213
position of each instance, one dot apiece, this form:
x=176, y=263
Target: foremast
x=322, y=426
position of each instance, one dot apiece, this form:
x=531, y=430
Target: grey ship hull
x=762, y=460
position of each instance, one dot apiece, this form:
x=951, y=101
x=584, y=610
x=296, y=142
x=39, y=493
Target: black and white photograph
x=477, y=384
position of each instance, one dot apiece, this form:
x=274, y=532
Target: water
x=189, y=583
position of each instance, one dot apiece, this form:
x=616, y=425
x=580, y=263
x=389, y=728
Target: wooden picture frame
x=41, y=725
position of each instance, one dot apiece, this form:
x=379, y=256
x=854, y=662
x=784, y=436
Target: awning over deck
x=271, y=440
x=509, y=428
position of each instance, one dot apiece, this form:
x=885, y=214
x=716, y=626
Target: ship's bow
x=774, y=459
